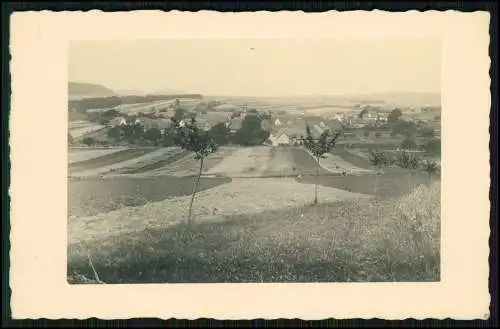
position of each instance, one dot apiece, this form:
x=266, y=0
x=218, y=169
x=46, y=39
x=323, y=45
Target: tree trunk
x=409, y=181
x=195, y=187
x=316, y=183
x=376, y=186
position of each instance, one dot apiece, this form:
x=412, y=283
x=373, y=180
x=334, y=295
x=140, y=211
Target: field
x=142, y=107
x=81, y=154
x=130, y=166
x=80, y=129
x=109, y=162
x=324, y=110
x=254, y=221
x=147, y=107
x=93, y=196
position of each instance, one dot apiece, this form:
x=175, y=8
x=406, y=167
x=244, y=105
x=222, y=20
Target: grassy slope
x=394, y=240
x=92, y=196
x=392, y=184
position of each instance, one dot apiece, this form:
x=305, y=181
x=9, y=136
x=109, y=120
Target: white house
x=277, y=122
x=382, y=116
x=280, y=139
x=318, y=129
x=338, y=116
x=118, y=121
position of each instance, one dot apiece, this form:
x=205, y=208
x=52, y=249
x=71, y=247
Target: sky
x=260, y=67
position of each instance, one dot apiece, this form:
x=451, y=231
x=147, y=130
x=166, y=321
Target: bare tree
x=410, y=162
x=320, y=147
x=189, y=137
x=430, y=167
x=378, y=160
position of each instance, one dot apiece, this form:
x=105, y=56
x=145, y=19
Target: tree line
x=250, y=133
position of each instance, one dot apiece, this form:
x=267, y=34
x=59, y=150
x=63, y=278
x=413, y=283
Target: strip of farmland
x=85, y=130
x=144, y=107
x=173, y=156
x=306, y=164
x=353, y=158
x=336, y=164
x=110, y=159
x=245, y=162
x=94, y=196
x=280, y=163
x=187, y=165
x=79, y=155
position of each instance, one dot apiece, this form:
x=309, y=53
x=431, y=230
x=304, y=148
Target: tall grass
x=410, y=235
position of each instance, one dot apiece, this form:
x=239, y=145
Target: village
x=361, y=123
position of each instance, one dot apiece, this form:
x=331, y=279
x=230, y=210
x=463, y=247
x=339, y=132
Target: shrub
x=89, y=141
x=433, y=146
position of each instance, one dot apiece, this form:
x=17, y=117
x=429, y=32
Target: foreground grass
x=361, y=240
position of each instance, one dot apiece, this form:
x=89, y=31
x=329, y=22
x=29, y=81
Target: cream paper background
x=39, y=45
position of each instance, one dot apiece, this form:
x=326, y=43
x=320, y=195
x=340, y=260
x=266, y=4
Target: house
x=382, y=116
x=280, y=138
x=338, y=116
x=277, y=122
x=334, y=124
x=235, y=124
x=317, y=131
x=118, y=121
x=266, y=125
x=357, y=123
x=286, y=136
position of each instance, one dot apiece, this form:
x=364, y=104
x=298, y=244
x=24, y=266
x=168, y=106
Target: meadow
x=349, y=240
x=254, y=221
x=80, y=130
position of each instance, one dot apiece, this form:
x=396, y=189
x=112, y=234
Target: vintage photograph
x=254, y=160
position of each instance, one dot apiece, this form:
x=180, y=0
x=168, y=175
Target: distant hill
x=135, y=92
x=80, y=90
x=167, y=92
x=401, y=99
x=130, y=92
x=395, y=98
